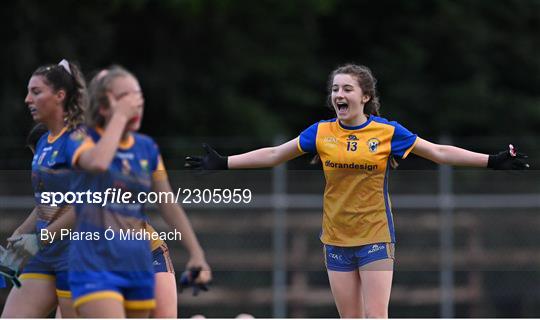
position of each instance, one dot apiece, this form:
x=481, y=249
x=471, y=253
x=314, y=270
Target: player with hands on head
x=356, y=149
x=123, y=281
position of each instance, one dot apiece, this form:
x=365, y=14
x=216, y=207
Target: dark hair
x=366, y=81
x=73, y=83
x=368, y=84
x=97, y=92
x=34, y=134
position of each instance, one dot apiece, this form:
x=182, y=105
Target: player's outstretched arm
x=444, y=154
x=260, y=158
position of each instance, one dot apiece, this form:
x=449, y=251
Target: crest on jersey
x=144, y=165
x=77, y=135
x=52, y=160
x=373, y=144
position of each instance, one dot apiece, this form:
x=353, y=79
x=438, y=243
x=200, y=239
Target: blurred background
x=245, y=74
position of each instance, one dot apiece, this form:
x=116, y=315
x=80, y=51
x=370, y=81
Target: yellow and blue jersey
x=123, y=263
x=52, y=172
x=135, y=163
x=357, y=209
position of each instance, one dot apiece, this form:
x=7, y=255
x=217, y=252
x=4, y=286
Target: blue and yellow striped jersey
x=52, y=172
x=136, y=164
x=355, y=161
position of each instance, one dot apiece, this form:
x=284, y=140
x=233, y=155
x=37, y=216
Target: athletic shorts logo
x=373, y=143
x=376, y=248
x=335, y=256
x=90, y=285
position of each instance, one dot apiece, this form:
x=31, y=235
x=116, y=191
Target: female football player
x=114, y=277
x=57, y=99
x=356, y=149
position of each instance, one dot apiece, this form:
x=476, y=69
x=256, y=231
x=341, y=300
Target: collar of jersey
x=124, y=144
x=356, y=127
x=52, y=139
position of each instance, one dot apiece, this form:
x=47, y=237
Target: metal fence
x=467, y=242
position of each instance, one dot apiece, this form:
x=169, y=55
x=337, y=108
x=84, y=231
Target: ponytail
x=68, y=77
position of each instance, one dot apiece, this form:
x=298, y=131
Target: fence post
x=446, y=207
x=279, y=277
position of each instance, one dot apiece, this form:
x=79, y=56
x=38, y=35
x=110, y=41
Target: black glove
x=211, y=161
x=508, y=160
x=188, y=280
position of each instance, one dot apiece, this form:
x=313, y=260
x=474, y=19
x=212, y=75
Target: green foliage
x=260, y=67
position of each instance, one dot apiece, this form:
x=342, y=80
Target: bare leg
x=376, y=286
x=138, y=313
x=346, y=291
x=66, y=309
x=166, y=296
x=36, y=298
x=103, y=308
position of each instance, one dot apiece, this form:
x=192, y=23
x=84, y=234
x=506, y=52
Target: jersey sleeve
x=159, y=173
x=403, y=141
x=307, y=139
x=77, y=143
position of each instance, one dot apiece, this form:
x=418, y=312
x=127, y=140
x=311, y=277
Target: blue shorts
x=42, y=267
x=351, y=258
x=161, y=259
x=91, y=286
